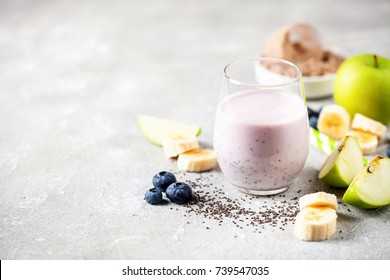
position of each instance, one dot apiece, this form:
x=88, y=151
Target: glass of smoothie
x=261, y=133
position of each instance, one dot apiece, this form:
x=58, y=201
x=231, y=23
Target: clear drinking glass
x=261, y=133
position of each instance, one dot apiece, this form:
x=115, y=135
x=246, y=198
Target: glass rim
x=292, y=80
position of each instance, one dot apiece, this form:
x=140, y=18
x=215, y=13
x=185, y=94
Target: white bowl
x=315, y=86
x=322, y=86
x=318, y=86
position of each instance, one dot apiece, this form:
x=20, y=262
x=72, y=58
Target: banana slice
x=333, y=121
x=315, y=223
x=197, y=160
x=365, y=124
x=318, y=199
x=367, y=141
x=176, y=144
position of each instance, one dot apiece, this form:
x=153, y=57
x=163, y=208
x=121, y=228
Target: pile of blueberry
x=313, y=117
x=176, y=192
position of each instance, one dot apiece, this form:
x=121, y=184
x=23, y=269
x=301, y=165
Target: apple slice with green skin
x=343, y=164
x=371, y=187
x=155, y=129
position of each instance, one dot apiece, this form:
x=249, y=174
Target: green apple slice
x=343, y=164
x=155, y=129
x=371, y=187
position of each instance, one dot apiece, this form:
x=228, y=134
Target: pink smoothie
x=261, y=139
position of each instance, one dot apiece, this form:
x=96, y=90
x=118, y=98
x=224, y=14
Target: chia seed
x=210, y=202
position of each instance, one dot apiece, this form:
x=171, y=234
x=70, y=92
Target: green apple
x=362, y=85
x=371, y=187
x=343, y=164
x=155, y=129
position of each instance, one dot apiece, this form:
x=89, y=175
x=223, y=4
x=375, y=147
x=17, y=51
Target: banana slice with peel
x=176, y=144
x=315, y=223
x=367, y=141
x=365, y=124
x=334, y=121
x=197, y=160
x=318, y=199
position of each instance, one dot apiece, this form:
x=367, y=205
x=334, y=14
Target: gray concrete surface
x=73, y=165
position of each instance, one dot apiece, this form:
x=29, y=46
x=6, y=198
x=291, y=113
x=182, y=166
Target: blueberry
x=163, y=179
x=153, y=196
x=311, y=112
x=313, y=120
x=179, y=193
x=388, y=151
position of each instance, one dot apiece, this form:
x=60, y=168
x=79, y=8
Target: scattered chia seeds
x=210, y=202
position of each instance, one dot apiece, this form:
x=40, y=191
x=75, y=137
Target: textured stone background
x=73, y=166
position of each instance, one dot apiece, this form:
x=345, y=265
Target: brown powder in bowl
x=328, y=64
x=300, y=43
